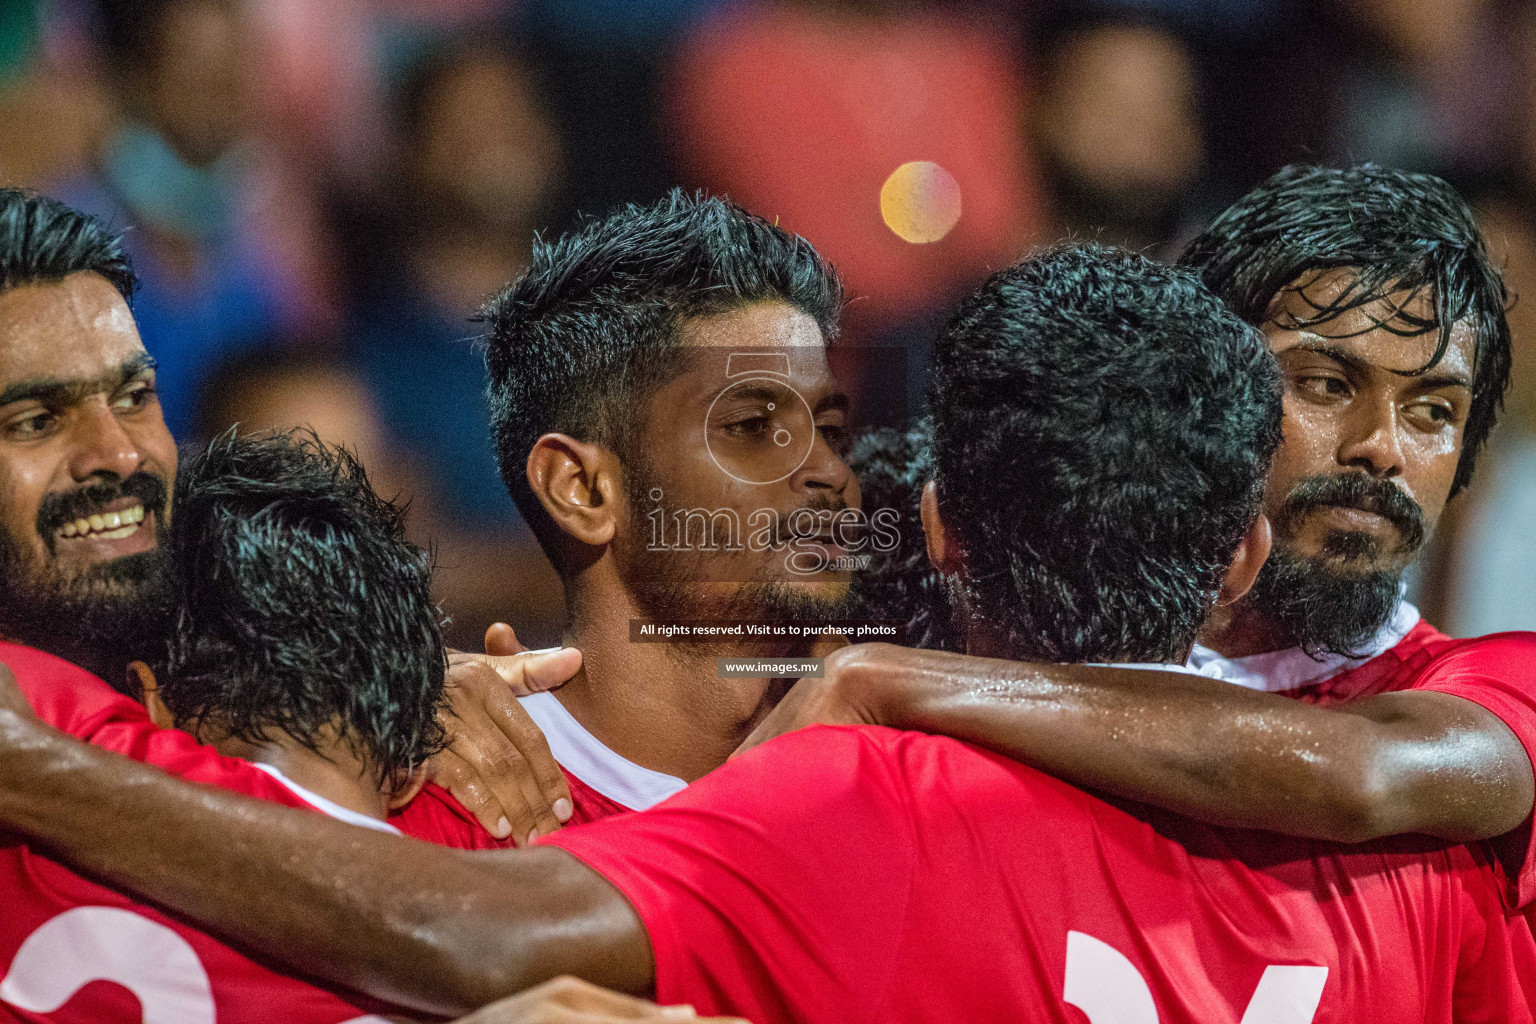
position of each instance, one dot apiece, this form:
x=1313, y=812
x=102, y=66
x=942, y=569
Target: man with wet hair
x=303, y=647
x=1376, y=293
x=821, y=906
x=85, y=458
x=664, y=414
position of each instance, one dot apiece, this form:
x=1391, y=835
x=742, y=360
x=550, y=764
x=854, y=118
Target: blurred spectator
x=477, y=161
x=1116, y=129
x=603, y=62
x=1429, y=85
x=1487, y=552
x=481, y=576
x=52, y=112
x=181, y=169
x=802, y=112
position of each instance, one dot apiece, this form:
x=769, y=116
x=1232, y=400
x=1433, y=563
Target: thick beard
x=1322, y=610
x=100, y=620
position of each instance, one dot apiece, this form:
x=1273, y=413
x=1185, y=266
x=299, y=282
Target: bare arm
x=436, y=930
x=1401, y=762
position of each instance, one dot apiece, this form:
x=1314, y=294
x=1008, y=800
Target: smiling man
x=86, y=462
x=805, y=880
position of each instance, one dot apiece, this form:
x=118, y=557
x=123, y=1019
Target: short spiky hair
x=301, y=607
x=1397, y=230
x=1102, y=428
x=579, y=343
x=42, y=241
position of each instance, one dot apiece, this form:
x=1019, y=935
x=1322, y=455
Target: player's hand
x=504, y=653
x=498, y=764
x=571, y=1001
x=833, y=699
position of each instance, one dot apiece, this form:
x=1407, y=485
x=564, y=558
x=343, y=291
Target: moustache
x=1357, y=491
x=62, y=507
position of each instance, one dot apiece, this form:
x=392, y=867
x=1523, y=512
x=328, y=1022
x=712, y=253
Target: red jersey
x=1496, y=671
x=74, y=951
x=863, y=874
x=602, y=781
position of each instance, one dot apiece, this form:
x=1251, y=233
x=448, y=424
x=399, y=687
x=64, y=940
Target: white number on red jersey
x=1109, y=989
x=88, y=944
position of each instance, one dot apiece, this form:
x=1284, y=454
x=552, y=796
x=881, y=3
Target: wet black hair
x=301, y=608
x=44, y=241
x=1102, y=428
x=1397, y=230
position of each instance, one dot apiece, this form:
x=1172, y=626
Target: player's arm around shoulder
x=1413, y=761
x=497, y=763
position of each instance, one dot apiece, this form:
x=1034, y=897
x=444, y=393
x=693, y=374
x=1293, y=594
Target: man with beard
x=85, y=457
x=86, y=471
x=1376, y=293
x=667, y=424
x=1085, y=385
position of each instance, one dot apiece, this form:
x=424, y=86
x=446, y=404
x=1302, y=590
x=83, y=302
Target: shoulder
x=1508, y=656
x=64, y=695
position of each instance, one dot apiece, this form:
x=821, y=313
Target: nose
x=825, y=472
x=1372, y=442
x=100, y=445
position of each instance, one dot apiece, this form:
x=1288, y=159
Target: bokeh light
x=920, y=201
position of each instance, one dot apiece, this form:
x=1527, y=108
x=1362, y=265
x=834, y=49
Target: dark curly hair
x=1398, y=231
x=301, y=606
x=1102, y=428
x=901, y=585
x=42, y=240
x=581, y=341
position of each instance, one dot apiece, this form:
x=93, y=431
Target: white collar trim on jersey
x=586, y=757
x=329, y=807
x=1292, y=667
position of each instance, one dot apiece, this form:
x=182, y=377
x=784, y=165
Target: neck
x=984, y=641
x=337, y=775
x=660, y=705
x=1239, y=630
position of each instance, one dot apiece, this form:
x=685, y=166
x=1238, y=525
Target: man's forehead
x=760, y=324
x=767, y=339
x=71, y=329
x=1389, y=331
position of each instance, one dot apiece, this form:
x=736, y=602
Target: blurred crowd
x=322, y=192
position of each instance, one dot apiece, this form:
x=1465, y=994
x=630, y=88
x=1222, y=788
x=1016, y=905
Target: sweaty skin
x=1396, y=763
x=435, y=930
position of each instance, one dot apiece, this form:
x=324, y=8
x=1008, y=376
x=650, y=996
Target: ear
x=407, y=791
x=943, y=551
x=578, y=484
x=1249, y=558
x=140, y=675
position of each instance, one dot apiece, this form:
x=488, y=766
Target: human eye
x=1431, y=414
x=1322, y=386
x=31, y=424
x=134, y=395
x=752, y=425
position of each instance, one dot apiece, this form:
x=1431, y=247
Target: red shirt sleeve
x=748, y=909
x=1499, y=673
x=73, y=700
